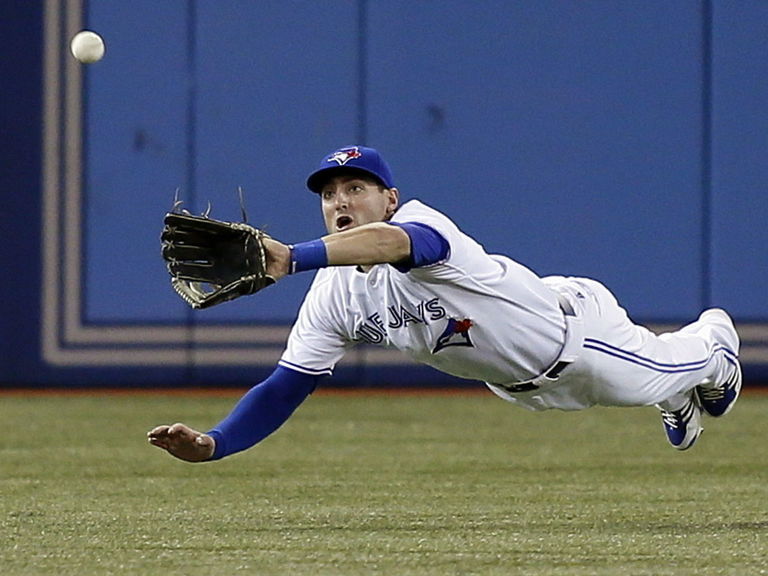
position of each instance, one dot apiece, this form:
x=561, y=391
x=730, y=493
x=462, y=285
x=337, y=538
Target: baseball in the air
x=87, y=47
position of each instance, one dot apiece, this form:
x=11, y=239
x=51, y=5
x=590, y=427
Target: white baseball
x=87, y=47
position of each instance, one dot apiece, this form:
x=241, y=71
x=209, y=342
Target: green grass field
x=380, y=484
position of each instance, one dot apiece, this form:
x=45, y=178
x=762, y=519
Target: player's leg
x=679, y=371
x=634, y=366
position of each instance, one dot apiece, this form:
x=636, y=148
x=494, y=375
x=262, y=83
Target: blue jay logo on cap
x=344, y=155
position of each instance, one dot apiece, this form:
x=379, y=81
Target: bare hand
x=183, y=442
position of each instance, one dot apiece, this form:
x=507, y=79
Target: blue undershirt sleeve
x=262, y=410
x=428, y=246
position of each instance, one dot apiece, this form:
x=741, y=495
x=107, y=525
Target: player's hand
x=183, y=442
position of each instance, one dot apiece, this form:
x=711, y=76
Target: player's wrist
x=309, y=255
x=218, y=445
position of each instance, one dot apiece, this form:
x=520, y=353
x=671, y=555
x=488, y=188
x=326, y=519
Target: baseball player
x=406, y=276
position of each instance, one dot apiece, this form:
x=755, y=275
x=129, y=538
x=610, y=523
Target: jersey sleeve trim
x=428, y=246
x=305, y=370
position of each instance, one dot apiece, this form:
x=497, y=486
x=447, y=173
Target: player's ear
x=393, y=200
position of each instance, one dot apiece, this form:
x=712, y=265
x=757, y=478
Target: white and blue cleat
x=683, y=426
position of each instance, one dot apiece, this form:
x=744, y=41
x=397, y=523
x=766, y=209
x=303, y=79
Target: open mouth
x=343, y=222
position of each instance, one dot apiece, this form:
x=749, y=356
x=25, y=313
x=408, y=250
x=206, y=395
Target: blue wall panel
x=739, y=165
x=20, y=154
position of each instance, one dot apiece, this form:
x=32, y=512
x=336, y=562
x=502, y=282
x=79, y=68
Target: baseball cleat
x=719, y=399
x=682, y=426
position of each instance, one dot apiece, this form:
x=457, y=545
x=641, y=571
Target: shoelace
x=712, y=394
x=670, y=419
x=678, y=417
x=718, y=392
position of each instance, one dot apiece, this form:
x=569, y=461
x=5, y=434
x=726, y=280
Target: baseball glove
x=212, y=261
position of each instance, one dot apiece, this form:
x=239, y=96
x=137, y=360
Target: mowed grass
x=380, y=484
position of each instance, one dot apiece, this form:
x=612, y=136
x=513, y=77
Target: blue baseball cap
x=351, y=159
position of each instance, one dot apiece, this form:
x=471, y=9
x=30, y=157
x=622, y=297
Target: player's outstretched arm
x=183, y=442
x=404, y=245
x=261, y=411
x=375, y=243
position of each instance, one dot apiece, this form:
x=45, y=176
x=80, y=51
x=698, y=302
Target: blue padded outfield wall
x=622, y=140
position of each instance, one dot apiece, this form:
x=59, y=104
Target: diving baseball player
x=406, y=276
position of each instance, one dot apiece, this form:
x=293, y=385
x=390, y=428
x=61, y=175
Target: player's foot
x=717, y=399
x=683, y=426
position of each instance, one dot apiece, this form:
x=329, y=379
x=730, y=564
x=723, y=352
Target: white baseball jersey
x=473, y=315
x=486, y=317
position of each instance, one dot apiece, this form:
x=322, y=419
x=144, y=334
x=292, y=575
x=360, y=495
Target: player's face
x=349, y=201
